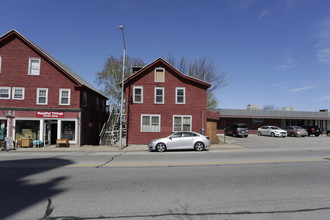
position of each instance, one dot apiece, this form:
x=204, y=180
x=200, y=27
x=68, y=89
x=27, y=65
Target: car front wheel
x=273, y=135
x=160, y=147
x=199, y=146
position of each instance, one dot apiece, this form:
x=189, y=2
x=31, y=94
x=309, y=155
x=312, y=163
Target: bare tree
x=111, y=75
x=203, y=69
x=270, y=107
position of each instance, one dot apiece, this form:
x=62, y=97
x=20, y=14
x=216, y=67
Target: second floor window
x=18, y=93
x=4, y=92
x=42, y=96
x=159, y=95
x=180, y=96
x=97, y=103
x=85, y=99
x=34, y=66
x=65, y=96
x=138, y=94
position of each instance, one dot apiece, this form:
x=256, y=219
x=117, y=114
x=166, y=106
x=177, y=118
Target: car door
x=263, y=130
x=175, y=141
x=268, y=131
x=188, y=140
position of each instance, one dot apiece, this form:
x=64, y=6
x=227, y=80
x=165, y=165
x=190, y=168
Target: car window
x=274, y=128
x=176, y=135
x=188, y=134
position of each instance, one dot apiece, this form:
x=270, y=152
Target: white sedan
x=273, y=131
x=180, y=140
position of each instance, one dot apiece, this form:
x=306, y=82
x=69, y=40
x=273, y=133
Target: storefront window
x=27, y=129
x=68, y=129
x=3, y=129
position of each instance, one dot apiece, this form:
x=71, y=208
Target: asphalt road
x=249, y=183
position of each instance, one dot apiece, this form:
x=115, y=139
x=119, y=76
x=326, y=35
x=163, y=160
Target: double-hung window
x=138, y=94
x=18, y=93
x=42, y=96
x=150, y=123
x=4, y=92
x=34, y=66
x=159, y=95
x=159, y=75
x=65, y=96
x=182, y=122
x=180, y=95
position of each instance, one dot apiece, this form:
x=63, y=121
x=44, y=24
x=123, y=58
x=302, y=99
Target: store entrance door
x=50, y=132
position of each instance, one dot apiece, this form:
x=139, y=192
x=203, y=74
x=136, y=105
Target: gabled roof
x=179, y=74
x=65, y=69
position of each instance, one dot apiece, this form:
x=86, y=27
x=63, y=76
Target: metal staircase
x=110, y=132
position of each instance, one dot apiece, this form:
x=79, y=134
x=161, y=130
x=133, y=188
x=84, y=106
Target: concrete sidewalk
x=96, y=148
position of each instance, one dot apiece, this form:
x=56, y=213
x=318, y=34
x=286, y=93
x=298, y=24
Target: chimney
x=136, y=69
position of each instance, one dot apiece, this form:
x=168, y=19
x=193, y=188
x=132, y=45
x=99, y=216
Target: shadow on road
x=16, y=193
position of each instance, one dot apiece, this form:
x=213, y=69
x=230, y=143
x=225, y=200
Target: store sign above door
x=50, y=114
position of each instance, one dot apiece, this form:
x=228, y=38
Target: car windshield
x=297, y=127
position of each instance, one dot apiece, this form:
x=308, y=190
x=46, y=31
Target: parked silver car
x=180, y=140
x=296, y=131
x=272, y=131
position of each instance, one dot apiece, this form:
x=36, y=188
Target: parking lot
x=255, y=141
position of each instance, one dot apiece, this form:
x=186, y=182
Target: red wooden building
x=42, y=99
x=161, y=100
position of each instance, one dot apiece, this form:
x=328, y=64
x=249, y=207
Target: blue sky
x=277, y=52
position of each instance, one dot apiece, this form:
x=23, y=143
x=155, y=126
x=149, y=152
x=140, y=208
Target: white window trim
x=69, y=96
x=150, y=115
x=184, y=95
x=137, y=87
x=8, y=88
x=163, y=70
x=29, y=71
x=181, y=116
x=38, y=90
x=155, y=99
x=17, y=88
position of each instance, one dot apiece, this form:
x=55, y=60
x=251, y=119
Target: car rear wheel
x=160, y=147
x=199, y=146
x=259, y=133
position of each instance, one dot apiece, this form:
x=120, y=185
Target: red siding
x=15, y=51
x=195, y=105
x=14, y=73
